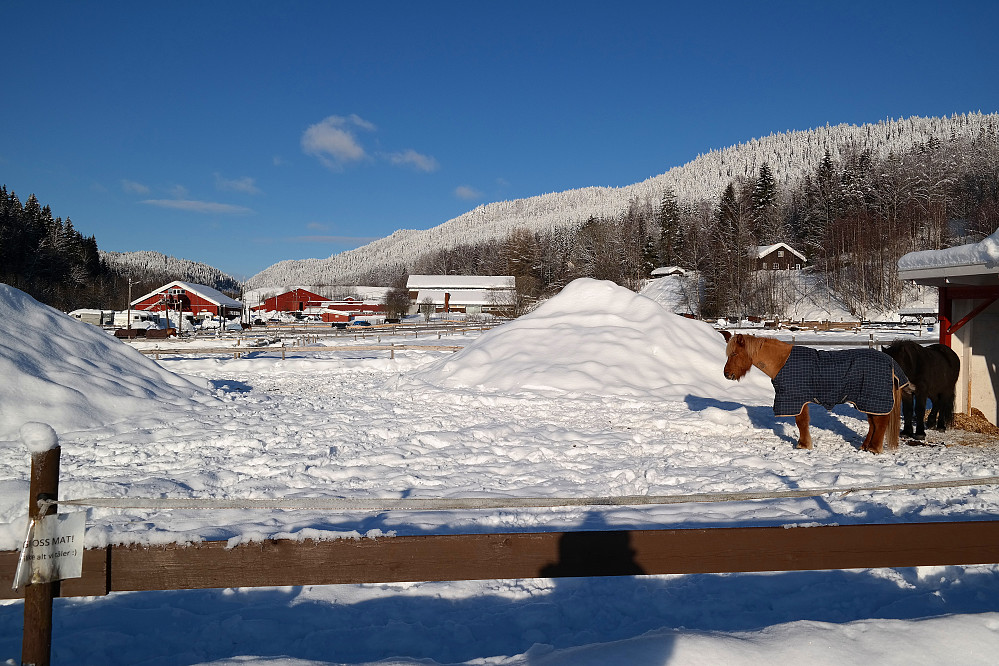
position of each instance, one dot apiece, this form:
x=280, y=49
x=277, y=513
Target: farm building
x=664, y=271
x=779, y=257
x=472, y=294
x=194, y=299
x=967, y=278
x=310, y=304
x=296, y=300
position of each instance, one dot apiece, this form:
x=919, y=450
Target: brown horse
x=793, y=372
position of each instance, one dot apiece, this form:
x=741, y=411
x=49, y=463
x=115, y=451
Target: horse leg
x=933, y=420
x=804, y=436
x=920, y=413
x=907, y=414
x=874, y=441
x=866, y=446
x=883, y=429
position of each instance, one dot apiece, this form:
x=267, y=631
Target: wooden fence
x=453, y=557
x=239, y=352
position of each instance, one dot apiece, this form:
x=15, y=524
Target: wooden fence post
x=36, y=641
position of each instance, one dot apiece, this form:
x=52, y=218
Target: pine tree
x=768, y=222
x=670, y=229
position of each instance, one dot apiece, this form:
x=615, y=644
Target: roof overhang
x=975, y=275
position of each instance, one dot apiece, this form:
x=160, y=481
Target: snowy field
x=600, y=392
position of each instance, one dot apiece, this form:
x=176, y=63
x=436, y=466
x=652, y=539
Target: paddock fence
x=511, y=555
x=284, y=350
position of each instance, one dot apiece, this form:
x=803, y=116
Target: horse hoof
x=919, y=436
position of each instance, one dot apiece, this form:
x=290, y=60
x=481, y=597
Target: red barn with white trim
x=189, y=298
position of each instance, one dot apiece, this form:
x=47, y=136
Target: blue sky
x=244, y=133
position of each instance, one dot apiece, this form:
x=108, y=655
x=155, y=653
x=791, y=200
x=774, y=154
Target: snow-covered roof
x=207, y=293
x=460, y=282
x=764, y=250
x=974, y=263
x=462, y=297
x=669, y=270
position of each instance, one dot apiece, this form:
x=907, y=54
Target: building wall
x=977, y=345
x=789, y=260
x=191, y=303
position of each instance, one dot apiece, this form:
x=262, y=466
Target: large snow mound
x=598, y=338
x=72, y=376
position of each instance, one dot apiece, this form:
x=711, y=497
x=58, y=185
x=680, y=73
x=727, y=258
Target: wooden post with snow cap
x=43, y=444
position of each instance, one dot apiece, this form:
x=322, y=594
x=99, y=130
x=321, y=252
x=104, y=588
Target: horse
x=933, y=371
x=867, y=378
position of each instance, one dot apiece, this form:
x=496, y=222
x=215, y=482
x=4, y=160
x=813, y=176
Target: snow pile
x=72, y=375
x=598, y=338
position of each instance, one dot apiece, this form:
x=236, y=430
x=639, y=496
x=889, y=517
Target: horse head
x=738, y=359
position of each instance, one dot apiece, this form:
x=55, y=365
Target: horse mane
x=907, y=353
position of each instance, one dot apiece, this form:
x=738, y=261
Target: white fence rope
x=453, y=504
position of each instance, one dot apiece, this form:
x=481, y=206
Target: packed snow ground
x=599, y=392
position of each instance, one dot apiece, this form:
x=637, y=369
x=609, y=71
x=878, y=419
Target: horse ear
x=740, y=339
x=726, y=334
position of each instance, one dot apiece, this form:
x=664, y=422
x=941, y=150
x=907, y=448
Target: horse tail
x=894, y=422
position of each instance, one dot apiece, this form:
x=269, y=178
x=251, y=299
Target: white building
x=472, y=294
x=968, y=281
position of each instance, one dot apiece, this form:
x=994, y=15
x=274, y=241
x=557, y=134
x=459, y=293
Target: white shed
x=968, y=281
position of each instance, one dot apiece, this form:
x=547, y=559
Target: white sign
x=53, y=549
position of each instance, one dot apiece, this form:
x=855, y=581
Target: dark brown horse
x=933, y=370
x=801, y=375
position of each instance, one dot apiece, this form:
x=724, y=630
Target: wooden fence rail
x=238, y=352
x=523, y=555
x=453, y=557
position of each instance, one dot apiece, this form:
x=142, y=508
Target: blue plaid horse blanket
x=863, y=377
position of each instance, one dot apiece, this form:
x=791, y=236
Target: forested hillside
x=48, y=258
x=853, y=199
x=160, y=268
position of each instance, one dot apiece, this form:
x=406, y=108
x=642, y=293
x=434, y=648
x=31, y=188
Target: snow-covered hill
x=149, y=264
x=790, y=156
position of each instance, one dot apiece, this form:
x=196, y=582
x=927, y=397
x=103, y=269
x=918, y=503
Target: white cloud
x=245, y=184
x=414, y=159
x=210, y=207
x=134, y=187
x=333, y=142
x=467, y=193
x=316, y=226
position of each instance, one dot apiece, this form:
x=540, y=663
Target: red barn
x=310, y=303
x=189, y=298
x=296, y=300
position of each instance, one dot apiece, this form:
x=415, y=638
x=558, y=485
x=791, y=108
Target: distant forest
x=49, y=259
x=853, y=217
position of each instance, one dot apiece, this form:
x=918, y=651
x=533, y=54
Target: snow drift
x=598, y=338
x=72, y=375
